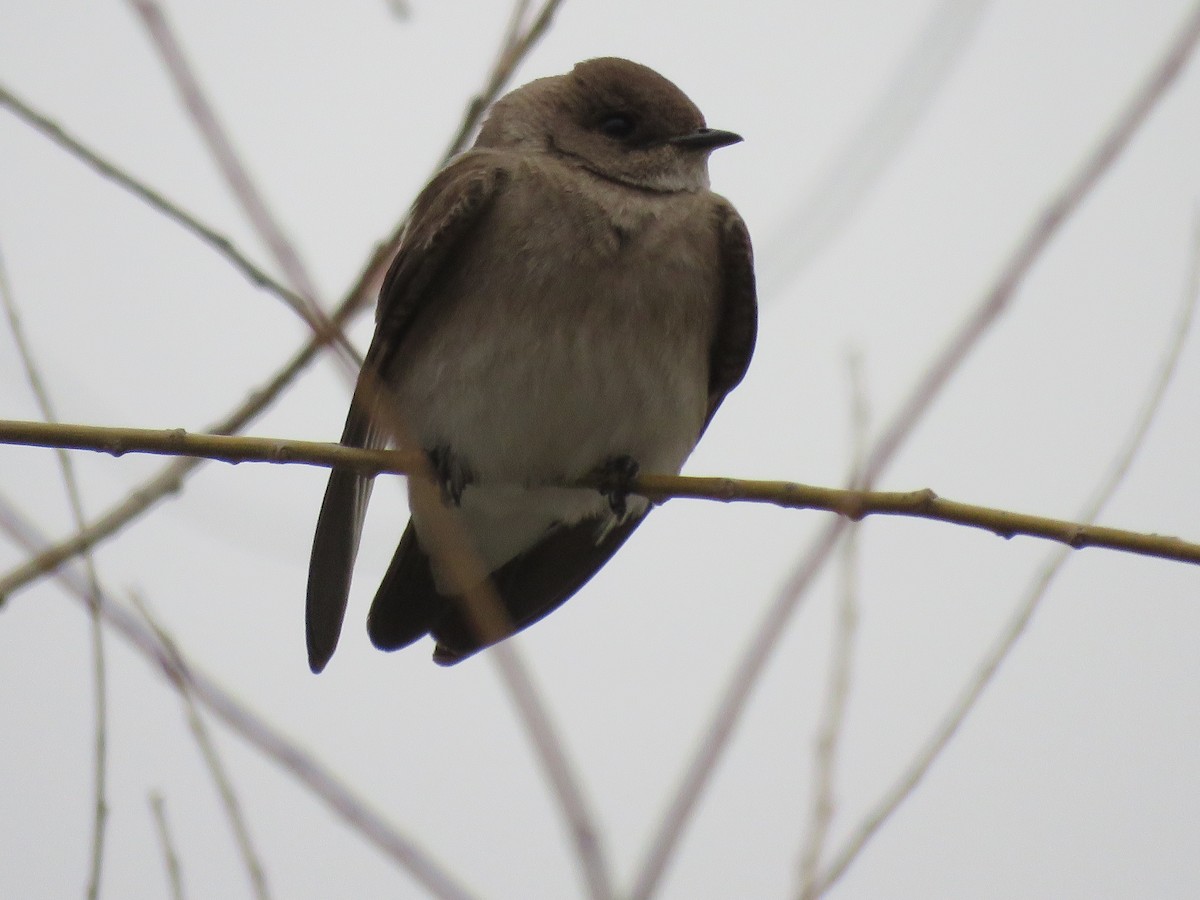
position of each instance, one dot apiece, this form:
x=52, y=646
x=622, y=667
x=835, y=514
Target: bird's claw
x=614, y=479
x=453, y=475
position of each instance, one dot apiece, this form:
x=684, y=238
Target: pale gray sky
x=1079, y=773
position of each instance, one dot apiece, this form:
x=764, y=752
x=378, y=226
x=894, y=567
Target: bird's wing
x=444, y=214
x=534, y=584
x=737, y=315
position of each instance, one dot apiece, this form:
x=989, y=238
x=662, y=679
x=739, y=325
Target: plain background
x=1078, y=774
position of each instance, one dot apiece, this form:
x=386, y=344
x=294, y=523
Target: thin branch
x=218, y=242
x=445, y=538
x=99, y=668
x=851, y=503
x=512, y=32
x=558, y=768
x=762, y=645
x=841, y=663
x=219, y=144
x=273, y=744
x=221, y=448
x=969, y=698
x=171, y=478
x=170, y=858
x=212, y=760
x=513, y=50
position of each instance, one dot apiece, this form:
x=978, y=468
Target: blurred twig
x=449, y=544
x=223, y=245
x=99, y=669
x=170, y=857
x=969, y=698
x=766, y=638
x=514, y=48
x=219, y=144
x=841, y=661
x=289, y=756
x=861, y=160
x=212, y=759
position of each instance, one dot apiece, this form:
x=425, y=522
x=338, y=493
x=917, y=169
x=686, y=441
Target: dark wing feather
x=534, y=584
x=737, y=317
x=407, y=602
x=446, y=211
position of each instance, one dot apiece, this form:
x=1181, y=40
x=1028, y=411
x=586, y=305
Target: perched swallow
x=569, y=300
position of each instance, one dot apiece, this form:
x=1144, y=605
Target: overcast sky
x=895, y=155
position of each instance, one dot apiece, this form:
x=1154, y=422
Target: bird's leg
x=614, y=479
x=453, y=475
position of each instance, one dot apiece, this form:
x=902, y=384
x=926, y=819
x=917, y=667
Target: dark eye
x=617, y=125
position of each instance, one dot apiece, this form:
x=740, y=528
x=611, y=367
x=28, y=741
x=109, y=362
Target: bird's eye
x=617, y=125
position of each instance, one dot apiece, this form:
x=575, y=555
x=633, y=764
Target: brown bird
x=569, y=299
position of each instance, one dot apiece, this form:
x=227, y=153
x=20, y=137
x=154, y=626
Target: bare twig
x=841, y=662
x=170, y=857
x=448, y=542
x=212, y=759
x=513, y=49
x=773, y=626
x=559, y=771
x=253, y=204
x=219, y=242
x=969, y=698
x=250, y=726
x=99, y=669
x=512, y=32
x=850, y=503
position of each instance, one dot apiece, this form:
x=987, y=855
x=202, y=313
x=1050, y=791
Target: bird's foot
x=614, y=479
x=453, y=475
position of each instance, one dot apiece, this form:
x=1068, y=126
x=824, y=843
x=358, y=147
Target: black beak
x=705, y=139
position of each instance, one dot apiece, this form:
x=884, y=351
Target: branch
x=323, y=329
x=513, y=50
x=853, y=504
x=841, y=662
x=451, y=547
x=170, y=857
x=236, y=175
x=212, y=761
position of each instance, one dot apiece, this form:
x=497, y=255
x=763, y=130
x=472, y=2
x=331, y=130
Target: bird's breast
x=575, y=326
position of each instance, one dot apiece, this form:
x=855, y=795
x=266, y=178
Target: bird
x=569, y=300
